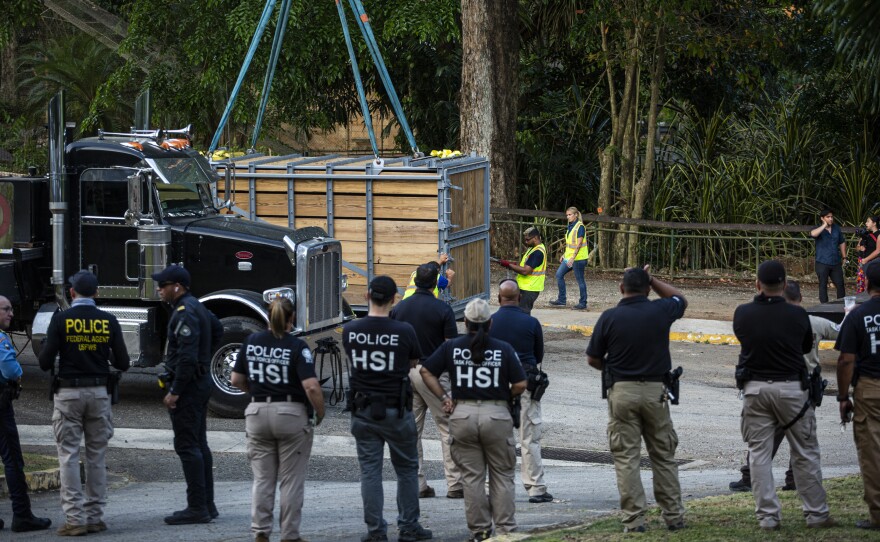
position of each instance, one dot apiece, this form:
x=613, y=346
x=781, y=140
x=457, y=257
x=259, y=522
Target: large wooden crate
x=390, y=218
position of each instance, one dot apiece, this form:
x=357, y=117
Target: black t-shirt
x=869, y=241
x=860, y=335
x=379, y=350
x=275, y=366
x=774, y=335
x=85, y=336
x=432, y=319
x=487, y=381
x=635, y=336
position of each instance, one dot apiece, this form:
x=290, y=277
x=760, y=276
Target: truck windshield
x=185, y=190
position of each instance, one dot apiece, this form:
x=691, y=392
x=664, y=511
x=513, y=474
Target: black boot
x=33, y=523
x=188, y=517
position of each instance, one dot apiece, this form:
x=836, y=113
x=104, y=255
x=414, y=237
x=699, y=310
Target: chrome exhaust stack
x=58, y=191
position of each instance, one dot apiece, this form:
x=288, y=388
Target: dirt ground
x=711, y=299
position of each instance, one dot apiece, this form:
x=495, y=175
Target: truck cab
x=139, y=201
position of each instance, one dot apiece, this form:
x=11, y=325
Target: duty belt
x=275, y=399
x=642, y=378
x=482, y=401
x=82, y=382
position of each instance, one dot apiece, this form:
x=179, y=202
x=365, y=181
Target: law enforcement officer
x=512, y=325
x=823, y=330
x=381, y=352
x=631, y=343
x=23, y=519
x=775, y=335
x=486, y=375
x=85, y=336
x=433, y=322
x=531, y=269
x=193, y=331
x=859, y=364
x=278, y=371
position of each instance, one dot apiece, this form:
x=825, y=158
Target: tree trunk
x=7, y=71
x=489, y=90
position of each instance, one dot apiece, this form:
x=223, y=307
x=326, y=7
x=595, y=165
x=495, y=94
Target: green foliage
x=78, y=64
x=17, y=15
x=854, y=24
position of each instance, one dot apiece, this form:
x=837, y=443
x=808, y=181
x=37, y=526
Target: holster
x=537, y=383
x=406, y=397
x=817, y=386
x=113, y=386
x=374, y=402
x=9, y=393
x=671, y=381
x=607, y=381
x=743, y=375
x=515, y=406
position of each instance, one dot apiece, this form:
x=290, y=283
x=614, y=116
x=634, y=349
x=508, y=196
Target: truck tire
x=228, y=401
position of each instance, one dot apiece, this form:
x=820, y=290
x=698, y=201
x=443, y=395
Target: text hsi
x=372, y=360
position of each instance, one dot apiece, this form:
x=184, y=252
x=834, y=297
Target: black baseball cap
x=382, y=289
x=84, y=283
x=173, y=274
x=771, y=272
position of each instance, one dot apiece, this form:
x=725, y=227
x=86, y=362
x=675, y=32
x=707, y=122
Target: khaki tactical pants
x=635, y=412
x=423, y=400
x=78, y=413
x=530, y=431
x=767, y=407
x=279, y=445
x=481, y=439
x=866, y=430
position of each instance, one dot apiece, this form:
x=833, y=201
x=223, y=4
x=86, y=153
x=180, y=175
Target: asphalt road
x=147, y=484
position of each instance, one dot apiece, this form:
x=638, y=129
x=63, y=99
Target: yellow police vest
x=535, y=281
x=571, y=244
x=411, y=287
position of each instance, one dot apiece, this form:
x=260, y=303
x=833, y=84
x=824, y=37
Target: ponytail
x=479, y=341
x=280, y=312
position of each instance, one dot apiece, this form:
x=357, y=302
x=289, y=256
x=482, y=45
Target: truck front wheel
x=226, y=400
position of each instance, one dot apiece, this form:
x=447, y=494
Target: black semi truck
x=124, y=206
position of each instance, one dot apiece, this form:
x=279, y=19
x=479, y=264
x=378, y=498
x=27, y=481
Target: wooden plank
x=424, y=231
x=319, y=186
x=468, y=204
x=469, y=269
x=315, y=206
x=412, y=254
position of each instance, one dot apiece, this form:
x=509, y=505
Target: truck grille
x=323, y=294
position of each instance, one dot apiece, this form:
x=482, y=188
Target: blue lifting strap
x=264, y=20
x=364, y=23
x=283, y=15
x=365, y=108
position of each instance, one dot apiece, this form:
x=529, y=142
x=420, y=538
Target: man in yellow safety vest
x=531, y=269
x=443, y=278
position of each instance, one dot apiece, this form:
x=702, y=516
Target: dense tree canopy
x=795, y=79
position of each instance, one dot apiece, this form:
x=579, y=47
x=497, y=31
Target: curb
x=41, y=480
x=682, y=336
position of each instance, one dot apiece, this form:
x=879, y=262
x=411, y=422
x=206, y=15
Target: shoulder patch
x=307, y=355
x=185, y=331
x=181, y=308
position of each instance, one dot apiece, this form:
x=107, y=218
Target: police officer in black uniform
x=193, y=331
x=279, y=372
x=381, y=352
x=85, y=336
x=486, y=375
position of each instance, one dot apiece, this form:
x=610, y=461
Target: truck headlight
x=344, y=282
x=272, y=294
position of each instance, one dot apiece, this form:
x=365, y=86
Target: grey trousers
x=424, y=400
x=279, y=443
x=370, y=437
x=767, y=407
x=530, y=432
x=481, y=440
x=78, y=413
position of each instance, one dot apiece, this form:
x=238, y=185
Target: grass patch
x=732, y=517
x=35, y=462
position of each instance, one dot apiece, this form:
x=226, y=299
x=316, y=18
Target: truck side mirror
x=135, y=199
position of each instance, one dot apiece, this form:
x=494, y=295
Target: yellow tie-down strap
x=689, y=337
